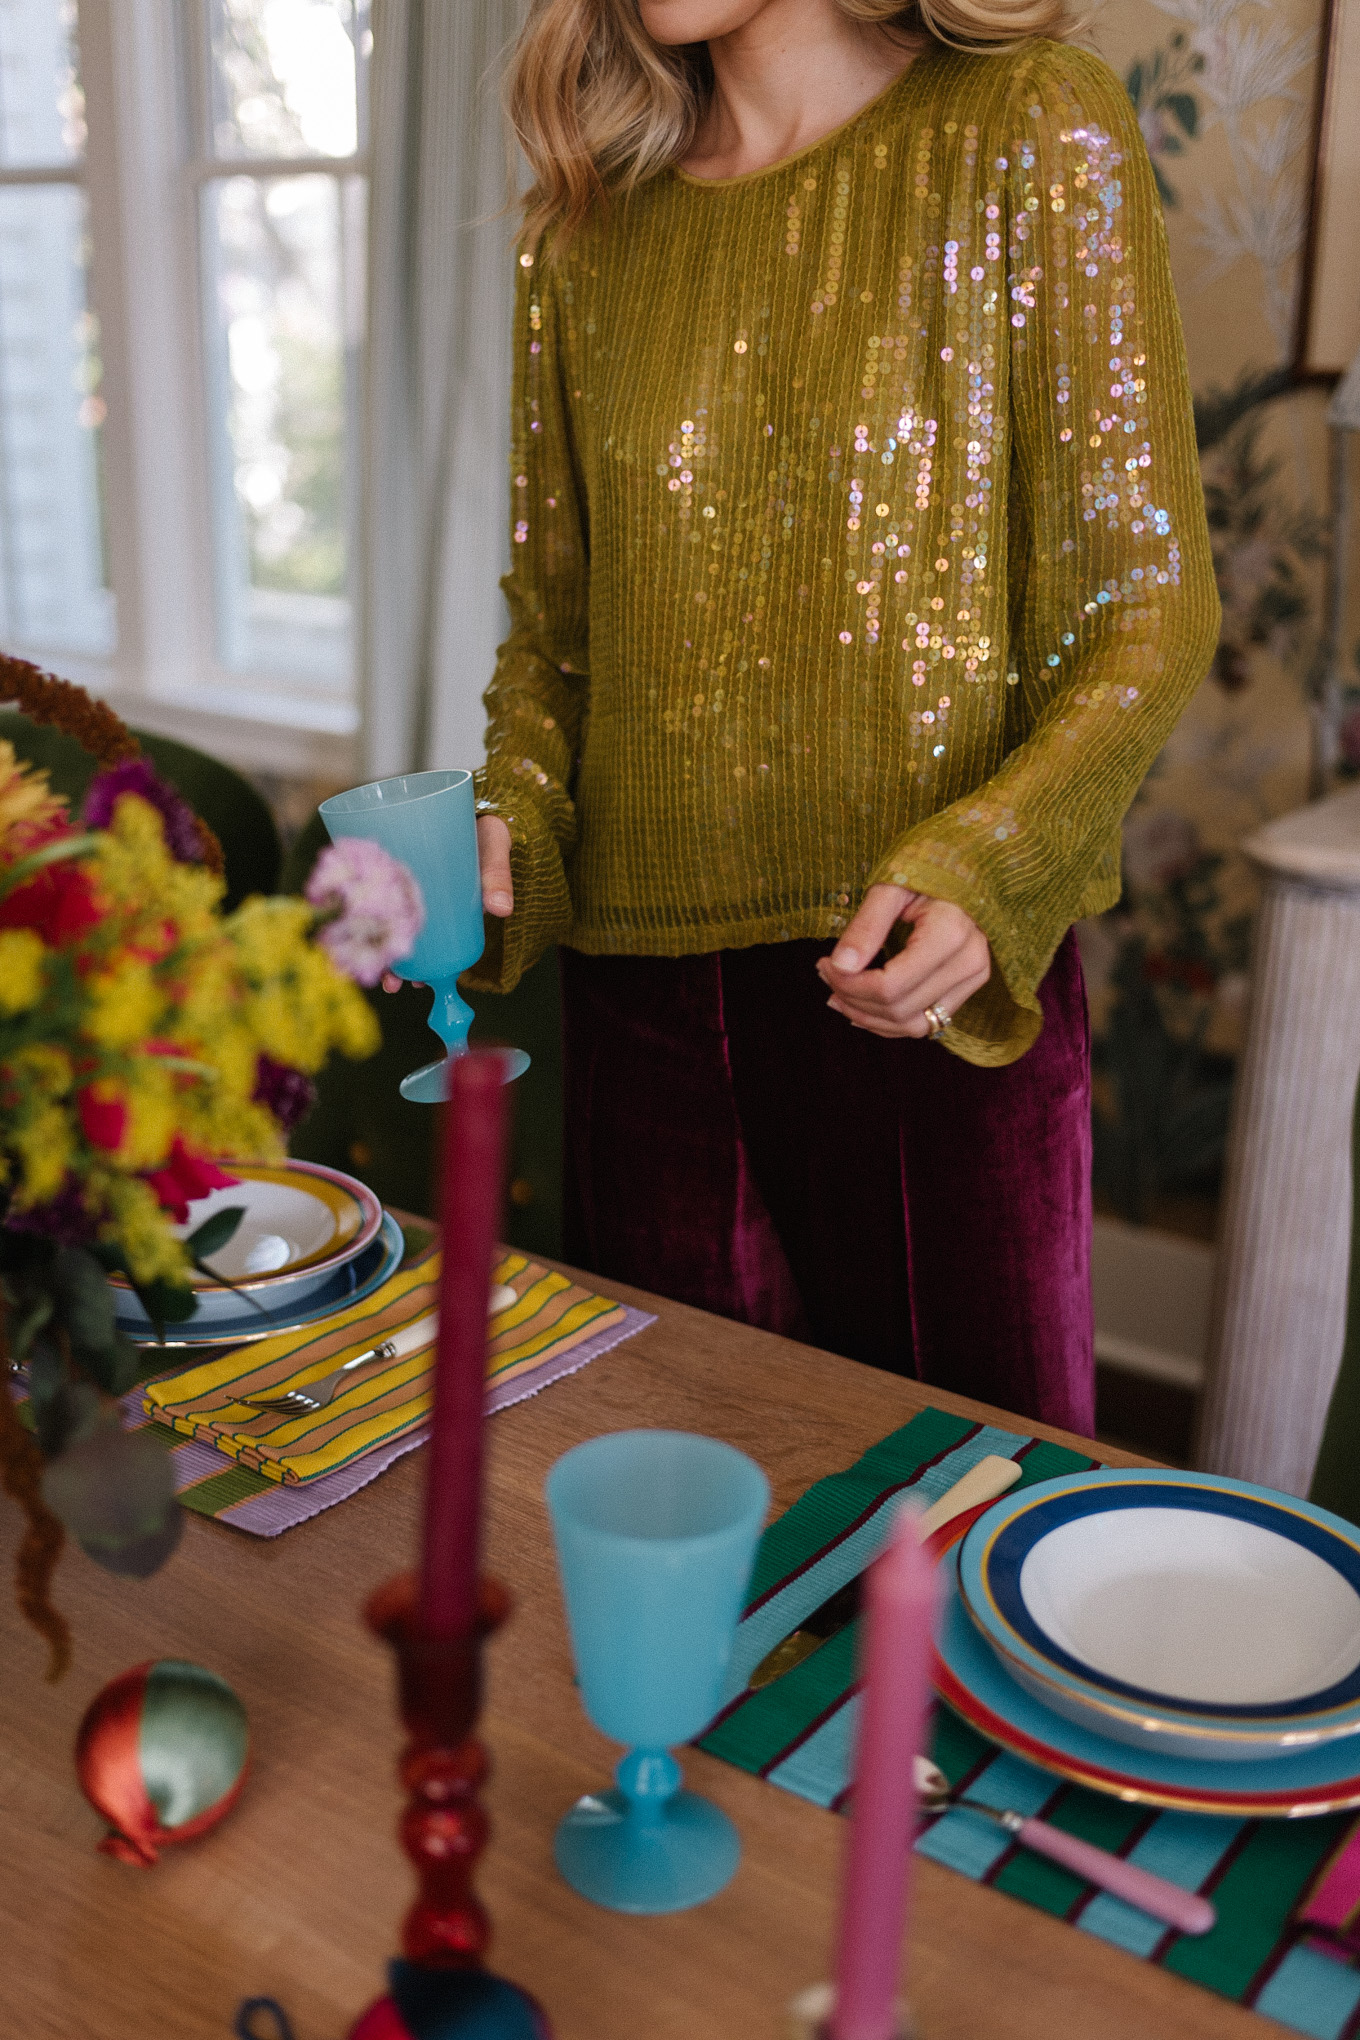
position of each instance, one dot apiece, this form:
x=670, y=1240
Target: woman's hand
x=944, y=961
x=493, y=852
x=498, y=889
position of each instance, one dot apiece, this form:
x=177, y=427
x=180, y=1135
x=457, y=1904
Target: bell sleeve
x=1113, y=606
x=537, y=699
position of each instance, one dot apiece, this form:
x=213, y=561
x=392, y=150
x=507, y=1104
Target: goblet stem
x=649, y=1846
x=450, y=1015
x=648, y=1780
x=450, y=1018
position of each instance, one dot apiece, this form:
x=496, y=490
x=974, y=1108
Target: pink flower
x=374, y=904
x=185, y=1177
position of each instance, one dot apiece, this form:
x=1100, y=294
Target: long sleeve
x=537, y=701
x=1112, y=601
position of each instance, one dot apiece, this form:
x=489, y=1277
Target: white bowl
x=301, y=1223
x=1205, y=1615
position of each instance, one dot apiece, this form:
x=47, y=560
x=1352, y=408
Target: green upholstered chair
x=238, y=816
x=363, y=1125
x=1336, y=1478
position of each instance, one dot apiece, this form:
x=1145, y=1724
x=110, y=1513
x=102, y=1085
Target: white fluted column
x=1280, y=1292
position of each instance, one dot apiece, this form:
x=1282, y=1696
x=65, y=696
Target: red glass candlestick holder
x=438, y=1988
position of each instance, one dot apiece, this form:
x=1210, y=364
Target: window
x=182, y=216
x=281, y=224
x=54, y=580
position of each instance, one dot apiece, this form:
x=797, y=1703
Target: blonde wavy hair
x=598, y=107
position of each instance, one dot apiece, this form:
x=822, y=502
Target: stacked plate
x=310, y=1240
x=1183, y=1639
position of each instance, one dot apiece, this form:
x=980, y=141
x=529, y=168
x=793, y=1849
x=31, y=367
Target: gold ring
x=938, y=1020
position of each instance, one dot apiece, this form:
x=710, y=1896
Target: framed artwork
x=1329, y=303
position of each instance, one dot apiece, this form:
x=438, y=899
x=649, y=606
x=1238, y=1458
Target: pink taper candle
x=469, y=1214
x=899, y=1622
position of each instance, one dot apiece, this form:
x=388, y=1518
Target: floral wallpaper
x=1224, y=91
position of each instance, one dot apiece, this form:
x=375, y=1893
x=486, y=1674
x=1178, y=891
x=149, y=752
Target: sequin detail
x=857, y=534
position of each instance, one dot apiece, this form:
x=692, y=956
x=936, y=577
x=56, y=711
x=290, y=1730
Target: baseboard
x=1152, y=1294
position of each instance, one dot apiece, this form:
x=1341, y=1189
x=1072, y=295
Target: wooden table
x=298, y=1896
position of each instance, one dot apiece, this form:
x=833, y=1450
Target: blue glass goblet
x=656, y=1532
x=429, y=821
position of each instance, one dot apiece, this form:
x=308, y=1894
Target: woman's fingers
x=945, y=961
x=493, y=851
x=883, y=906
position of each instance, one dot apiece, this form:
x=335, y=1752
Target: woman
x=859, y=573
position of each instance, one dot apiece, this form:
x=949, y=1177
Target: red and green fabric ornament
x=162, y=1754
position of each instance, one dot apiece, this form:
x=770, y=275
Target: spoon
x=1185, y=1910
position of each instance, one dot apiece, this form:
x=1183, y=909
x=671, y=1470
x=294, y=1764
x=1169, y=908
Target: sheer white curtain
x=437, y=379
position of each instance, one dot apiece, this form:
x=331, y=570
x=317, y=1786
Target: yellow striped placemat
x=548, y=1319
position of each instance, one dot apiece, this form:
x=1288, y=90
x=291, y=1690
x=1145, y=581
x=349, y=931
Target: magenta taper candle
x=473, y=1166
x=901, y=1597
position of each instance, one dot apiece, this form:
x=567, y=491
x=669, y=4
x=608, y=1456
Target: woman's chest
x=813, y=355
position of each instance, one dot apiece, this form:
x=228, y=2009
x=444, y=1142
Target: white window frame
x=144, y=187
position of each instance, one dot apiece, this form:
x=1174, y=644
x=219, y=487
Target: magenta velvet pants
x=731, y=1143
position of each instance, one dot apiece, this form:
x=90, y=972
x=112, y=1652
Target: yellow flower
x=44, y=1067
x=139, y=1226
x=24, y=795
x=22, y=975
x=153, y=1118
x=357, y=1033
x=124, y=1005
x=44, y=1146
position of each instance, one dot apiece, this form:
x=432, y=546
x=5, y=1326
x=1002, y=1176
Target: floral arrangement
x=147, y=1039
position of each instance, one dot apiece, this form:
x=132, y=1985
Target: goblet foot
x=429, y=1086
x=451, y=2004
x=654, y=1865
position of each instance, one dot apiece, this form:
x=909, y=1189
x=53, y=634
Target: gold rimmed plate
x=971, y=1678
x=1209, y=1616
x=249, y=1323
x=301, y=1225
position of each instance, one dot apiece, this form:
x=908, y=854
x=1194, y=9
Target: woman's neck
x=797, y=72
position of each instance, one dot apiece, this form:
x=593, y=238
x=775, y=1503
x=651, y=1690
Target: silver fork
x=305, y=1402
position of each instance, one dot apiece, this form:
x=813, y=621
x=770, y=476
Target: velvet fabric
x=732, y=1143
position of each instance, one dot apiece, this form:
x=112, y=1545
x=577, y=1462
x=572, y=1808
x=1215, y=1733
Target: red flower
x=183, y=1178
x=60, y=904
x=104, y=1120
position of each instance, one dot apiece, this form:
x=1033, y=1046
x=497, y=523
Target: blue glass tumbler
x=656, y=1532
x=429, y=821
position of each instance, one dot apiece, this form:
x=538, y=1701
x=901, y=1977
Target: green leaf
x=1182, y=104
x=165, y=1303
x=115, y=1492
x=36, y=1313
x=214, y=1233
x=59, y=852
x=80, y=1289
x=64, y=1411
x=224, y=1282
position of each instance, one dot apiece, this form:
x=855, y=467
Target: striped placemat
x=549, y=1320
x=799, y=1734
x=214, y=1483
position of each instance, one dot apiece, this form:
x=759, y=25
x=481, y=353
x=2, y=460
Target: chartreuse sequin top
x=857, y=536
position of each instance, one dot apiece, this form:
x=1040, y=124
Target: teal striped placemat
x=799, y=1734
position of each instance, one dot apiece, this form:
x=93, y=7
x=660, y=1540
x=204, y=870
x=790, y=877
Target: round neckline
x=833, y=135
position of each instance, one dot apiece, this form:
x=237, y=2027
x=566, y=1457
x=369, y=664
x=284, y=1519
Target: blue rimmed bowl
x=1201, y=1615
